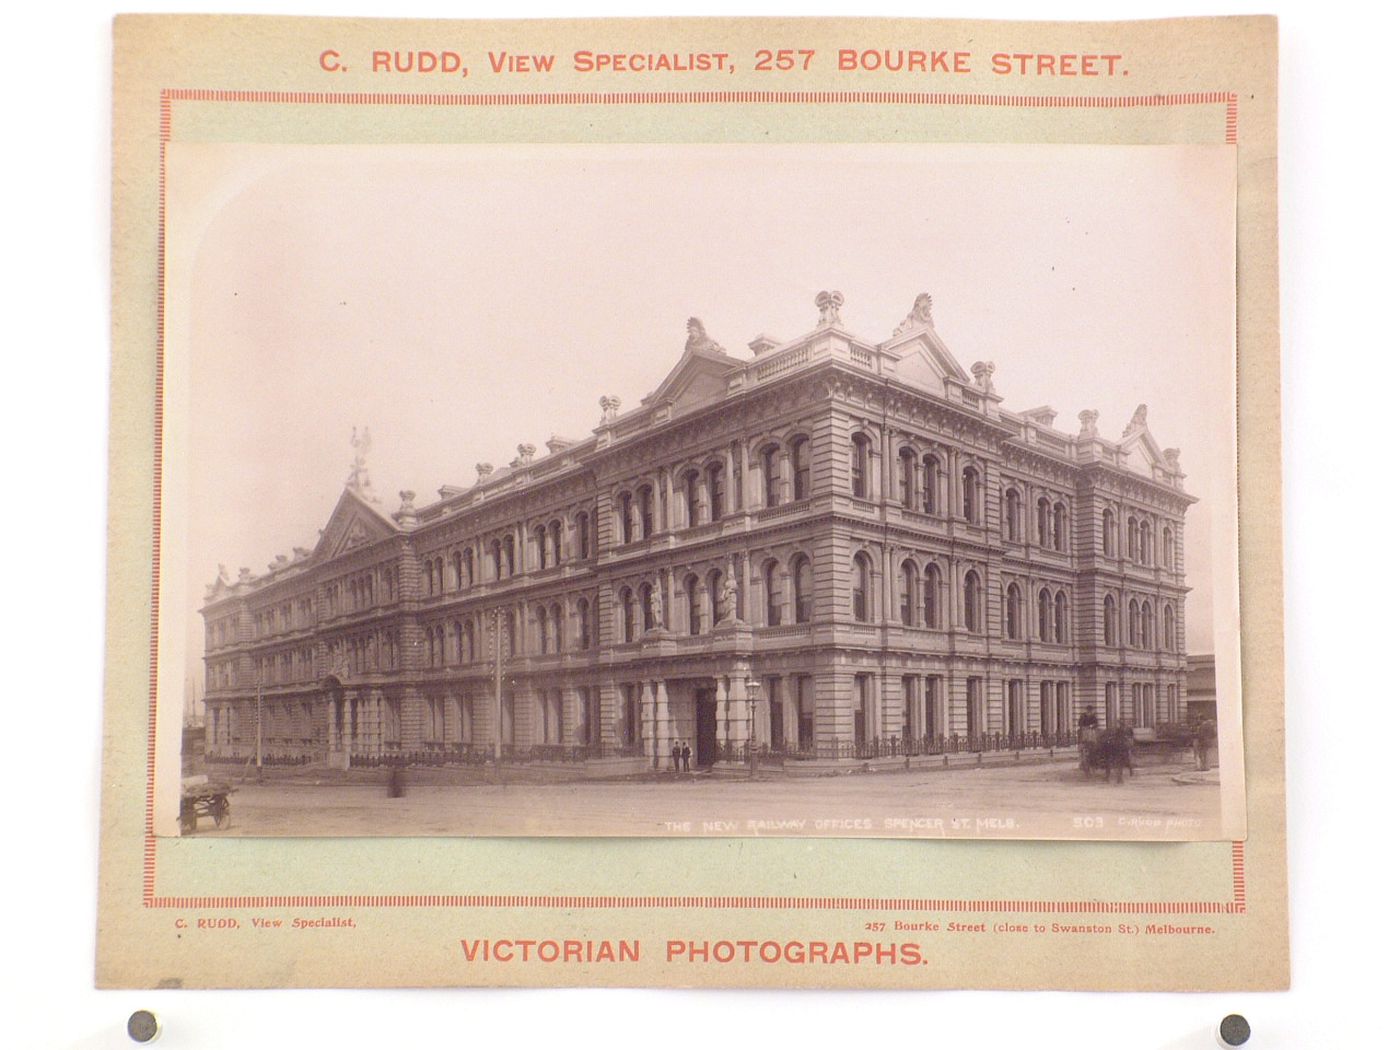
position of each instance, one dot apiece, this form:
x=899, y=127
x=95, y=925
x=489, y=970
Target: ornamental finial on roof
x=1089, y=423
x=696, y=338
x=921, y=316
x=358, y=481
x=829, y=308
x=1139, y=420
x=982, y=373
x=609, y=404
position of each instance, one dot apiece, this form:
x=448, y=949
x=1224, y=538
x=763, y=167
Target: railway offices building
x=855, y=535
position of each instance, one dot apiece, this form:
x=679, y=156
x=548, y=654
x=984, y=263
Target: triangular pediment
x=1141, y=453
x=700, y=377
x=924, y=358
x=355, y=522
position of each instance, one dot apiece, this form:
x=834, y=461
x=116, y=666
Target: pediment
x=924, y=357
x=700, y=377
x=1141, y=453
x=354, y=523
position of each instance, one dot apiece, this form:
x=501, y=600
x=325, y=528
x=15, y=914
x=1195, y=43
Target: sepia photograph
x=686, y=491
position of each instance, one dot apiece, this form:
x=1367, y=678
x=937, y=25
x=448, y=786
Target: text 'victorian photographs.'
x=700, y=491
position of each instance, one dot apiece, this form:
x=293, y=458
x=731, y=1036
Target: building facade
x=855, y=535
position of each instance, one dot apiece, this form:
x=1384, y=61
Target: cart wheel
x=221, y=813
x=188, y=820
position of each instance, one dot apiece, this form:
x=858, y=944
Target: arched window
x=860, y=466
x=1110, y=533
x=1045, y=616
x=908, y=592
x=1042, y=522
x=644, y=594
x=972, y=495
x=459, y=642
x=542, y=628
x=933, y=597
x=497, y=562
x=556, y=628
x=624, y=511
x=772, y=595
x=1149, y=626
x=1133, y=539
x=646, y=510
x=427, y=586
x=802, y=589
x=1168, y=548
x=1145, y=542
x=715, y=583
x=469, y=642
x=772, y=476
x=860, y=589
x=1011, y=515
x=692, y=604
x=972, y=601
x=1134, y=624
x=508, y=553
x=556, y=542
x=1169, y=628
x=585, y=625
x=691, y=485
x=907, y=468
x=1110, y=620
x=629, y=615
x=456, y=570
x=1060, y=527
x=1015, y=611
x=1061, y=618
x=540, y=545
x=582, y=531
x=933, y=485
x=714, y=481
x=800, y=452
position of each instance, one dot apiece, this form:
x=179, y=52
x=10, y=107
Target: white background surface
x=1338, y=235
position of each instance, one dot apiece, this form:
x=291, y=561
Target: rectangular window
x=911, y=706
x=1016, y=707
x=860, y=709
x=1047, y=709
x=1062, y=707
x=806, y=714
x=774, y=690
x=976, y=710
x=935, y=724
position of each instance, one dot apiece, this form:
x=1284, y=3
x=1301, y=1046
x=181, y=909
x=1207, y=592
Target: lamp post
x=752, y=686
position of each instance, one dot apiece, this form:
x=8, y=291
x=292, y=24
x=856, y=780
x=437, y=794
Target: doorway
x=705, y=723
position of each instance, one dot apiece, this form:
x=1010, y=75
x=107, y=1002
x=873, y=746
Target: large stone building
x=854, y=535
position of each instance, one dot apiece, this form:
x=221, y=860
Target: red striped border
x=1235, y=906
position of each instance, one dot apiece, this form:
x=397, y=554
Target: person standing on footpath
x=676, y=756
x=685, y=756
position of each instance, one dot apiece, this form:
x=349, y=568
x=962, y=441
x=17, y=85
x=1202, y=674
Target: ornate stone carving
x=1173, y=458
x=921, y=316
x=527, y=453
x=829, y=308
x=609, y=405
x=729, y=597
x=696, y=338
x=1139, y=420
x=1088, y=423
x=358, y=481
x=483, y=471
x=982, y=373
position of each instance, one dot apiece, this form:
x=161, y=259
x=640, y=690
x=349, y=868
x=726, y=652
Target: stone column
x=663, y=718
x=731, y=504
x=722, y=709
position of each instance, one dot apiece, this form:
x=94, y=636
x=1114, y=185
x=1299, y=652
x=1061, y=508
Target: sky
x=461, y=300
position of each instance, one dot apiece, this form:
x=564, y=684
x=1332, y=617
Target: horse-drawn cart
x=201, y=797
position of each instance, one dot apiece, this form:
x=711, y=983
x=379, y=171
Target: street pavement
x=1052, y=800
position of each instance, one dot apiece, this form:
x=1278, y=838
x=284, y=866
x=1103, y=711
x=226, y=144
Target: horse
x=1110, y=750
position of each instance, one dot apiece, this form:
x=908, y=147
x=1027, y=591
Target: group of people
x=680, y=756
